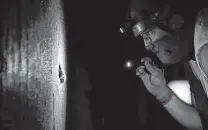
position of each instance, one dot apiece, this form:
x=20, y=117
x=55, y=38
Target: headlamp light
x=123, y=29
x=127, y=27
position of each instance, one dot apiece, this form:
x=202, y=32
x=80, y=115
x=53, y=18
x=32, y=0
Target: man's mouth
x=155, y=51
x=170, y=52
x=167, y=53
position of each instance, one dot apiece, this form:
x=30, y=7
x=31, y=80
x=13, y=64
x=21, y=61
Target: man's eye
x=146, y=38
x=149, y=33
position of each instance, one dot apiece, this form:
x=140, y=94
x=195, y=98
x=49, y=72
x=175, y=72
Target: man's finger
x=148, y=64
x=143, y=76
x=140, y=71
x=150, y=67
x=145, y=59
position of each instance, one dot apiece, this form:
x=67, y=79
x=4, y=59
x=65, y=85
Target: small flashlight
x=124, y=29
x=121, y=30
x=128, y=64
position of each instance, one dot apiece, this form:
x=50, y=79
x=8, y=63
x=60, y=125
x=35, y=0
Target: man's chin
x=166, y=63
x=169, y=61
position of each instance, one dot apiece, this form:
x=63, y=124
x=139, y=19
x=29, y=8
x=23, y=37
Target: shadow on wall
x=80, y=117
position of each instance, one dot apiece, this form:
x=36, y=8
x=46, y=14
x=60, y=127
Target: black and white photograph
x=103, y=65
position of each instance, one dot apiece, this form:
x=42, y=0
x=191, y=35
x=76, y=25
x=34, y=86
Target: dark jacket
x=199, y=95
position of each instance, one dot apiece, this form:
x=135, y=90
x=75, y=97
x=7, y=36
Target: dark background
x=118, y=95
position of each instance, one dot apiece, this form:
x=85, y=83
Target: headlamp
x=140, y=23
x=123, y=29
x=138, y=28
x=142, y=27
x=127, y=27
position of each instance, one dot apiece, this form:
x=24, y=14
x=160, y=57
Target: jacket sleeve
x=203, y=53
x=201, y=49
x=200, y=98
x=203, y=113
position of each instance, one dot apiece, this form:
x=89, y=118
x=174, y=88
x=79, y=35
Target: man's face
x=168, y=48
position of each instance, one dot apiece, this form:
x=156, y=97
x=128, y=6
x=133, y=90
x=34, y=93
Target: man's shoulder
x=201, y=29
x=202, y=14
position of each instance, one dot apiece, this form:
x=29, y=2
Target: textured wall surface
x=33, y=48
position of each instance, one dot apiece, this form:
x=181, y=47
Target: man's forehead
x=133, y=13
x=135, y=16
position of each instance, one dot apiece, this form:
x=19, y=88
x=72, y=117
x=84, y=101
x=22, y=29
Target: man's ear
x=176, y=22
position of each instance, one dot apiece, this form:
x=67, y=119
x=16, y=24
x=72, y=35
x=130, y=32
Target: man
x=166, y=35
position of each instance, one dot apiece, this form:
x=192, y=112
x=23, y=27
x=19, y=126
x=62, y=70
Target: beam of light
x=121, y=30
x=181, y=89
x=59, y=91
x=128, y=64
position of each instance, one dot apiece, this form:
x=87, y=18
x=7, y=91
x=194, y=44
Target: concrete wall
x=33, y=47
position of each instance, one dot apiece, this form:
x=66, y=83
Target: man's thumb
x=140, y=71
